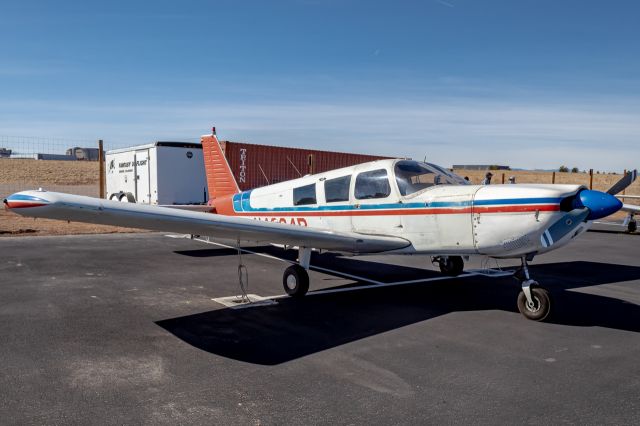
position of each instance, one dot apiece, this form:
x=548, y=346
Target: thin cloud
x=444, y=3
x=447, y=131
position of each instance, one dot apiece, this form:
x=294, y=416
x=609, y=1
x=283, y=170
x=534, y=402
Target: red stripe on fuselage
x=407, y=212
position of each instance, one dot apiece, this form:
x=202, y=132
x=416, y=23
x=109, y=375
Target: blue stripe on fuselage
x=241, y=203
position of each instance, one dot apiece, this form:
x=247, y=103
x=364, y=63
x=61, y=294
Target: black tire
x=295, y=281
x=632, y=227
x=451, y=265
x=541, y=304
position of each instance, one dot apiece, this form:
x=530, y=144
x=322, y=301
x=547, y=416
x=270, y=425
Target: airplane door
x=141, y=170
x=374, y=200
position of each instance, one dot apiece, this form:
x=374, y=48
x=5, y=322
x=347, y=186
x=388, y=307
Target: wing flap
x=53, y=205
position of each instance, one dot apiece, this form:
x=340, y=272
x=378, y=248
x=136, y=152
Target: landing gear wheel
x=451, y=265
x=295, y=281
x=540, y=308
x=632, y=227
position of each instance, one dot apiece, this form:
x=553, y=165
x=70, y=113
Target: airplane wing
x=631, y=208
x=76, y=208
x=191, y=207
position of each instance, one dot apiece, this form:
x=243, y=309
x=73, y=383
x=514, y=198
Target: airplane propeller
x=586, y=205
x=626, y=180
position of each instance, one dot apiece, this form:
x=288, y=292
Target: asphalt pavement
x=122, y=329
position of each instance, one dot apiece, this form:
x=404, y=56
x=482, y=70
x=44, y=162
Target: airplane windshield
x=413, y=176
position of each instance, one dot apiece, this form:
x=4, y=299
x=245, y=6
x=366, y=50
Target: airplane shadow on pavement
x=294, y=328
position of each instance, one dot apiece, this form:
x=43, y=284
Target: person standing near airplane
x=487, y=179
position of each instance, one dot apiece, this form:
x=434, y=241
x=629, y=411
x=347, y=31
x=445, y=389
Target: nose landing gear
x=533, y=301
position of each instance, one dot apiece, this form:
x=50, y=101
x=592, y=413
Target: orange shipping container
x=259, y=165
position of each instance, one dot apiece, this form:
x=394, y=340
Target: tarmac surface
x=122, y=329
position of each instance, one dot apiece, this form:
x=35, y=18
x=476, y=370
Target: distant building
x=41, y=156
x=5, y=153
x=59, y=157
x=480, y=167
x=88, y=154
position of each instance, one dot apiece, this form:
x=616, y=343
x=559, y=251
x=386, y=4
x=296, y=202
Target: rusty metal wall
x=259, y=165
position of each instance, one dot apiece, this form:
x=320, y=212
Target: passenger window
x=304, y=195
x=337, y=189
x=373, y=184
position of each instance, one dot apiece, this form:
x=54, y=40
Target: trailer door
x=143, y=188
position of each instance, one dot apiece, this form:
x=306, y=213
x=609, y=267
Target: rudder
x=220, y=179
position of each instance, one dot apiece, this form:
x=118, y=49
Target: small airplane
x=630, y=209
x=391, y=206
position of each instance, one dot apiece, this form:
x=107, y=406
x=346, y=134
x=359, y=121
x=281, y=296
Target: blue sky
x=532, y=84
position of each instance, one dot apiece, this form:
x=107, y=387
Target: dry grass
x=601, y=182
x=12, y=225
x=77, y=176
x=80, y=177
x=40, y=172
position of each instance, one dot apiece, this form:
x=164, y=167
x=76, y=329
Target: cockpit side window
x=373, y=184
x=337, y=189
x=413, y=177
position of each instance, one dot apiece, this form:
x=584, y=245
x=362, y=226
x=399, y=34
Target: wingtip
x=24, y=199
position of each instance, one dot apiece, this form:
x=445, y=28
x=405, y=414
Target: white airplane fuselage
x=442, y=219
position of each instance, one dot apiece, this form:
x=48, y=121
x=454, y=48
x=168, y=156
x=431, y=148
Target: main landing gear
x=533, y=301
x=632, y=225
x=296, y=278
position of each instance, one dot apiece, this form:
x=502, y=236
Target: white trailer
x=161, y=173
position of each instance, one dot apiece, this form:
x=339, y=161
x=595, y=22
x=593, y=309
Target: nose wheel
x=534, y=302
x=539, y=307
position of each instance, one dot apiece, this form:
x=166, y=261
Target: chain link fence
x=71, y=166
x=61, y=165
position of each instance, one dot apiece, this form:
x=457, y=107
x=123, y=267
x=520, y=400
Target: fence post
x=625, y=189
x=590, y=178
x=503, y=178
x=101, y=167
x=553, y=177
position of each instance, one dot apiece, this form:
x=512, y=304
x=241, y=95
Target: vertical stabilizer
x=220, y=179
